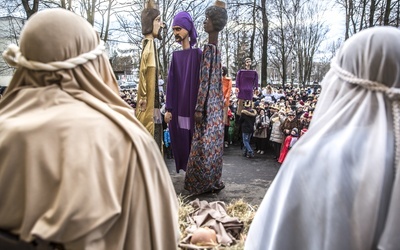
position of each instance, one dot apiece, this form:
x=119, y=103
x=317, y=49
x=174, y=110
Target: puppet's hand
x=167, y=117
x=198, y=116
x=142, y=105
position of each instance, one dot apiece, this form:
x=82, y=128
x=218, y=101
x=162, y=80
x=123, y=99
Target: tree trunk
x=253, y=33
x=28, y=10
x=90, y=10
x=226, y=33
x=347, y=22
x=398, y=15
x=372, y=9
x=387, y=12
x=264, y=49
x=364, y=6
x=108, y=20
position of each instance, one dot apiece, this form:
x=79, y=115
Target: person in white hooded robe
x=339, y=188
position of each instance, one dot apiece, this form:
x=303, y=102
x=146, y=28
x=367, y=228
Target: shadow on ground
x=244, y=178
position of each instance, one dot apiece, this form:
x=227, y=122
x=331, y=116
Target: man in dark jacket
x=246, y=121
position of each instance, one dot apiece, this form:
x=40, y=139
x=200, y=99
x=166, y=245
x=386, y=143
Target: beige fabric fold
x=76, y=166
x=213, y=215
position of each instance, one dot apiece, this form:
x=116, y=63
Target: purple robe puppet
x=246, y=82
x=182, y=89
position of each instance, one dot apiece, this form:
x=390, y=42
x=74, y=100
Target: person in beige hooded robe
x=77, y=168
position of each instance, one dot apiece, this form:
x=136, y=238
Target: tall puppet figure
x=246, y=82
x=148, y=108
x=204, y=168
x=182, y=88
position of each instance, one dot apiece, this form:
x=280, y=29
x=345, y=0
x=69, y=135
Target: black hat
x=248, y=104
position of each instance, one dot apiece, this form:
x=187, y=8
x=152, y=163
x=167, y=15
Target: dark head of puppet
x=149, y=13
x=218, y=15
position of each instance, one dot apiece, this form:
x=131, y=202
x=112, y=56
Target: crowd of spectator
x=129, y=96
x=280, y=113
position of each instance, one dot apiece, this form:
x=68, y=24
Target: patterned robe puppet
x=204, y=168
x=205, y=161
x=182, y=88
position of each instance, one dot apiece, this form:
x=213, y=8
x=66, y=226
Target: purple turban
x=184, y=20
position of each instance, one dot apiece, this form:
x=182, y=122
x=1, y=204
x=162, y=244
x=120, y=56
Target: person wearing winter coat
x=277, y=135
x=290, y=122
x=288, y=144
x=246, y=121
x=261, y=130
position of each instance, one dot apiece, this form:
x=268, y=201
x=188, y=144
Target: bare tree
x=66, y=4
x=361, y=14
x=308, y=38
x=89, y=6
x=106, y=10
x=10, y=28
x=280, y=51
x=245, y=34
x=264, y=48
x=30, y=9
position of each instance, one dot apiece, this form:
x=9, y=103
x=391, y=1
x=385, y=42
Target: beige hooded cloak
x=76, y=166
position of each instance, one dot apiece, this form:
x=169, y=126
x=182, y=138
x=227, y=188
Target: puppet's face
x=248, y=64
x=180, y=33
x=208, y=26
x=157, y=27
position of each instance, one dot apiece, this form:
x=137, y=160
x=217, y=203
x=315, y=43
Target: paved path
x=244, y=178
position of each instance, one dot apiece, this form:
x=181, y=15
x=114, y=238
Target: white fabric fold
x=337, y=188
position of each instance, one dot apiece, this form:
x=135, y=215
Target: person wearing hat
x=148, y=106
x=305, y=120
x=276, y=138
x=182, y=88
x=299, y=111
x=247, y=121
x=204, y=169
x=290, y=122
x=261, y=130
